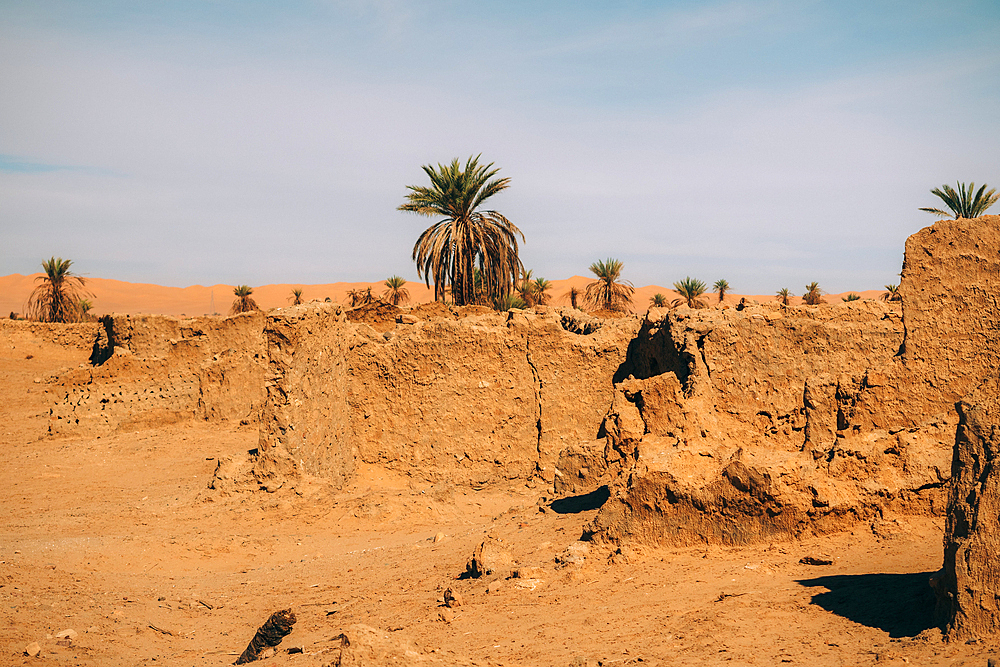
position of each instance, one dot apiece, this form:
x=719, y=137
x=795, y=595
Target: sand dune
x=116, y=296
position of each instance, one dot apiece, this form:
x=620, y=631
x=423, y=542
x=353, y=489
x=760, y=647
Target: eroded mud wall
x=473, y=400
x=153, y=370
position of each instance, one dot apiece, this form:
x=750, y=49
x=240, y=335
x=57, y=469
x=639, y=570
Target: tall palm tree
x=465, y=238
x=396, y=292
x=243, y=303
x=58, y=294
x=609, y=292
x=658, y=300
x=296, y=297
x=813, y=295
x=785, y=295
x=963, y=203
x=892, y=293
x=721, y=287
x=539, y=288
x=690, y=290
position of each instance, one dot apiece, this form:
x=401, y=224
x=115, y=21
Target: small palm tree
x=721, y=287
x=296, y=297
x=508, y=301
x=243, y=303
x=609, y=292
x=396, y=292
x=540, y=288
x=892, y=293
x=785, y=296
x=690, y=290
x=852, y=297
x=658, y=300
x=526, y=289
x=464, y=238
x=575, y=295
x=59, y=293
x=963, y=203
x=813, y=295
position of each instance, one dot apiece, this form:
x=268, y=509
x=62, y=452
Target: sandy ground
x=119, y=539
x=115, y=296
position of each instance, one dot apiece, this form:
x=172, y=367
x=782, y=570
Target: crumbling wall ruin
x=796, y=420
x=151, y=370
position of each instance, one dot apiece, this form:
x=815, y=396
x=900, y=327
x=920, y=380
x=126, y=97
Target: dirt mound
x=380, y=315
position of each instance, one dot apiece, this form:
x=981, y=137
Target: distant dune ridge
x=116, y=296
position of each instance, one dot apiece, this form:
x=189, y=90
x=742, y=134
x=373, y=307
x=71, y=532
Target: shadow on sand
x=900, y=604
x=584, y=503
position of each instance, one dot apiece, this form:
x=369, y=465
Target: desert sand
x=115, y=296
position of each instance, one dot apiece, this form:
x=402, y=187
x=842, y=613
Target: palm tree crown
x=396, y=292
x=243, y=303
x=690, y=290
x=963, y=203
x=465, y=238
x=892, y=293
x=658, y=300
x=785, y=296
x=296, y=297
x=58, y=296
x=609, y=292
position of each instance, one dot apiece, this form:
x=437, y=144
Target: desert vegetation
x=396, y=292
x=813, y=295
x=853, y=296
x=690, y=290
x=296, y=296
x=720, y=287
x=785, y=296
x=658, y=300
x=609, y=291
x=243, y=303
x=465, y=237
x=965, y=202
x=60, y=295
x=892, y=293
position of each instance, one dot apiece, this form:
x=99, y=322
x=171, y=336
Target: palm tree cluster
x=966, y=202
x=892, y=293
x=813, y=295
x=609, y=292
x=465, y=238
x=61, y=295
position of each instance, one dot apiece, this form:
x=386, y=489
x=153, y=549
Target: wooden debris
x=270, y=634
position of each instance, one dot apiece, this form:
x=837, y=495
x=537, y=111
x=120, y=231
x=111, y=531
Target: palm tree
x=243, y=303
x=508, y=301
x=608, y=292
x=852, y=297
x=892, y=293
x=813, y=295
x=527, y=288
x=574, y=295
x=396, y=292
x=658, y=300
x=721, y=287
x=963, y=203
x=465, y=238
x=296, y=297
x=785, y=295
x=539, y=289
x=58, y=294
x=690, y=290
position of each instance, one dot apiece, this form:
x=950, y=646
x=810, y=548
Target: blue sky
x=768, y=143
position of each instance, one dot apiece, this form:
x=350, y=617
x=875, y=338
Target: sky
x=769, y=143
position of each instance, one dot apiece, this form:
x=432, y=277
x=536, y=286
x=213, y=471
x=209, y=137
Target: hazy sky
x=768, y=143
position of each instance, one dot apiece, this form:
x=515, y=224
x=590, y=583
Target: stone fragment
x=68, y=633
x=452, y=598
x=32, y=650
x=490, y=557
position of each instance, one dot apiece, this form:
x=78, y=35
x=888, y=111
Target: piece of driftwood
x=268, y=635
